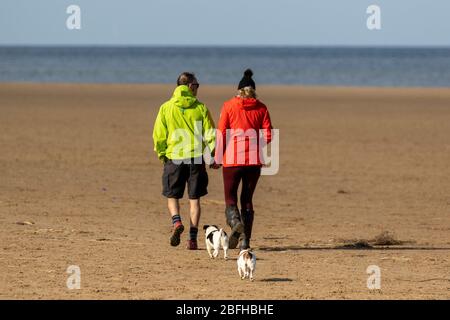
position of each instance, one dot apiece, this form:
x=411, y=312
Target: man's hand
x=163, y=159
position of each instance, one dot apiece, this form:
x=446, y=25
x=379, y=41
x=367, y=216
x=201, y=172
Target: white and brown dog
x=246, y=264
x=214, y=238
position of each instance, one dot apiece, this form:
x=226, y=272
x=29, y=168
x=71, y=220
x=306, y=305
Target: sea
x=310, y=66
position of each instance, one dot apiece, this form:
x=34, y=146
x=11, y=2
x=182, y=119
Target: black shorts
x=175, y=177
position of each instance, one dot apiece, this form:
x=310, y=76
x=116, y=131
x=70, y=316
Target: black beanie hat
x=247, y=80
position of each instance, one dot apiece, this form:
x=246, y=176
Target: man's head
x=188, y=79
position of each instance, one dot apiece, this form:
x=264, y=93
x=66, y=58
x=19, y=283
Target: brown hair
x=247, y=92
x=185, y=78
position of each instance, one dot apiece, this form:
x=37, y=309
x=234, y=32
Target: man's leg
x=195, y=218
x=174, y=180
x=195, y=212
x=174, y=209
x=197, y=188
x=174, y=206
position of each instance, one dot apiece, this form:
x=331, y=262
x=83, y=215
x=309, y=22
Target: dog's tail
x=223, y=236
x=224, y=240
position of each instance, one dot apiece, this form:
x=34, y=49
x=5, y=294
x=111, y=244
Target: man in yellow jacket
x=182, y=131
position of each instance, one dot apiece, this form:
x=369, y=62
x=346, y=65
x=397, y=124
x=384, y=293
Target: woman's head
x=247, y=87
x=247, y=92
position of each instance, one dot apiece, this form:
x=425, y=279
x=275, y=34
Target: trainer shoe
x=192, y=245
x=175, y=238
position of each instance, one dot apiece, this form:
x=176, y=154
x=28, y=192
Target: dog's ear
x=206, y=226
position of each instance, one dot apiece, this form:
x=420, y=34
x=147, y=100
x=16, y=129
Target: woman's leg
x=231, y=179
x=249, y=181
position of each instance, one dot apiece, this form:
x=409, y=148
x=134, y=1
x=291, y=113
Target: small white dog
x=214, y=237
x=246, y=264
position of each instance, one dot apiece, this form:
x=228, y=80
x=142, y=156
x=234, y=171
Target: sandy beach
x=81, y=185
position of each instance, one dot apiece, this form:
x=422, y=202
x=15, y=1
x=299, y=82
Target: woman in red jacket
x=243, y=121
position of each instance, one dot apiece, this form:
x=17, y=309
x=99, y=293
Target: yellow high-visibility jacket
x=183, y=127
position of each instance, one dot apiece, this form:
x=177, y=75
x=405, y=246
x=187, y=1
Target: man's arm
x=209, y=132
x=160, y=135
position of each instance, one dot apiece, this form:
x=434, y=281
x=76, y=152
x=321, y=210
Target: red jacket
x=242, y=121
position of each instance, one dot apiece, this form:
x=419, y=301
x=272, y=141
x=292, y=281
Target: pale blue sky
x=226, y=22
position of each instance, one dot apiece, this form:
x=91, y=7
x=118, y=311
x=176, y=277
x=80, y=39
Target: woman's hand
x=215, y=165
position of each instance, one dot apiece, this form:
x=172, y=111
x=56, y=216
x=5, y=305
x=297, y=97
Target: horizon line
x=224, y=84
x=256, y=46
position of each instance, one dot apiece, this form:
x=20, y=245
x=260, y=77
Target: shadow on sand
x=351, y=247
x=276, y=280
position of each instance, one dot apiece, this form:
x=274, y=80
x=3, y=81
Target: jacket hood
x=182, y=97
x=246, y=102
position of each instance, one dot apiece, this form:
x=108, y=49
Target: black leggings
x=232, y=177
